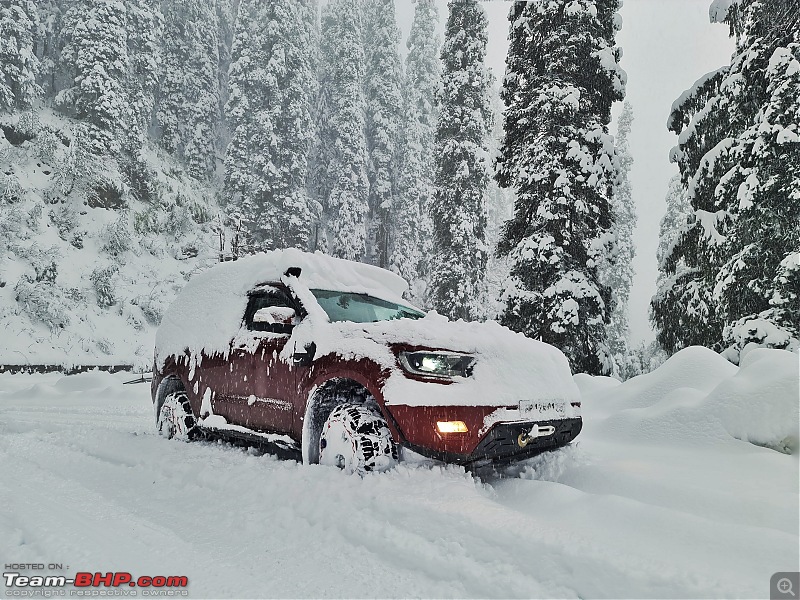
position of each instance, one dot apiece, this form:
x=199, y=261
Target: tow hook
x=536, y=432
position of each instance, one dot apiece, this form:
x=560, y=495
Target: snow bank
x=588, y=384
x=697, y=397
x=760, y=403
x=695, y=368
x=604, y=518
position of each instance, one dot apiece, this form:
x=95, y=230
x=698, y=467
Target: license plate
x=541, y=407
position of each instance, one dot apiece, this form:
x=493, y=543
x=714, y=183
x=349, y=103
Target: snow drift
x=700, y=398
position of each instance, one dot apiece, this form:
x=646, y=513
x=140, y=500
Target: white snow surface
x=621, y=513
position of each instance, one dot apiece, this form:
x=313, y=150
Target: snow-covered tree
x=671, y=316
x=19, y=65
x=458, y=208
x=617, y=273
x=341, y=180
x=683, y=309
x=383, y=101
x=48, y=43
x=411, y=238
x=499, y=208
x=562, y=75
x=272, y=83
x=96, y=56
x=738, y=152
x=188, y=103
x=144, y=56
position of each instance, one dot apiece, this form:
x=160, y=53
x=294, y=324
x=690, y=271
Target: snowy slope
x=620, y=514
x=88, y=262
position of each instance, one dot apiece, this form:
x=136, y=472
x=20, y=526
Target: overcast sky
x=667, y=45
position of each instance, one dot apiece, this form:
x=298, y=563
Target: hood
x=509, y=367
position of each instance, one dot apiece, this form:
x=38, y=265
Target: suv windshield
x=361, y=308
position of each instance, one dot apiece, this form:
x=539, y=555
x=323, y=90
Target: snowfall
x=683, y=483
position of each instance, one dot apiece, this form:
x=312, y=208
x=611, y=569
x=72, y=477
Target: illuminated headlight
x=437, y=364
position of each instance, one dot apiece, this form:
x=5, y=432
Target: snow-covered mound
x=698, y=397
x=92, y=250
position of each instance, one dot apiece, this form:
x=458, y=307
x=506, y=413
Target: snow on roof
x=208, y=311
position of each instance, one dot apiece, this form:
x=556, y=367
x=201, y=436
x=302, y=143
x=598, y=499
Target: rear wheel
x=175, y=419
x=356, y=439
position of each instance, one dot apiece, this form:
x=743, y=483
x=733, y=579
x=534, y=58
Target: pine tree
x=617, y=274
x=562, y=76
x=672, y=315
x=96, y=56
x=342, y=181
x=144, y=55
x=683, y=310
x=383, y=101
x=499, y=209
x=269, y=112
x=458, y=209
x=738, y=154
x=19, y=65
x=411, y=239
x=49, y=42
x=188, y=102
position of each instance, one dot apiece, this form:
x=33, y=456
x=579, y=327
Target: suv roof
x=210, y=307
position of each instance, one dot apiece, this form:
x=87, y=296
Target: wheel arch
x=323, y=398
x=169, y=384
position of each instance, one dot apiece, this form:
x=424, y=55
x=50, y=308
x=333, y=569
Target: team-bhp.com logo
x=88, y=584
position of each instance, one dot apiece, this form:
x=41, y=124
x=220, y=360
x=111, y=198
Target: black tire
x=175, y=419
x=356, y=439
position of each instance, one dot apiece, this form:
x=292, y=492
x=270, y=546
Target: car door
x=259, y=387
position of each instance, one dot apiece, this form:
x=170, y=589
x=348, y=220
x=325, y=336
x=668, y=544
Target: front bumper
x=501, y=446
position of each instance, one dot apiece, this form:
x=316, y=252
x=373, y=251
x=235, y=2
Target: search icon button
x=784, y=586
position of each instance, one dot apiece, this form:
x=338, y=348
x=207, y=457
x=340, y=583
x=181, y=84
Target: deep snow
x=656, y=498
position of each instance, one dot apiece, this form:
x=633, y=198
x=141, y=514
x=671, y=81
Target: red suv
x=322, y=357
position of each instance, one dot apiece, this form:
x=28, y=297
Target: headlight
x=437, y=364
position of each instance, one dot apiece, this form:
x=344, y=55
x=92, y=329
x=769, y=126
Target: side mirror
x=303, y=359
x=275, y=315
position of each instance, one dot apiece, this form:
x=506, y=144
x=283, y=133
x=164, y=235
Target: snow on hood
x=509, y=367
x=208, y=312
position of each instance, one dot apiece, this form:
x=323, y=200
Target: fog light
x=451, y=426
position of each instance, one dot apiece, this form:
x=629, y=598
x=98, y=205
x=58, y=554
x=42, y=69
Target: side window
x=268, y=297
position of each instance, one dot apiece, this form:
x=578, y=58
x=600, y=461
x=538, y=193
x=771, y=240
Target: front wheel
x=356, y=439
x=175, y=419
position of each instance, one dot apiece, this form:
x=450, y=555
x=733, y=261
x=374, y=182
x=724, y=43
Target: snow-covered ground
x=660, y=497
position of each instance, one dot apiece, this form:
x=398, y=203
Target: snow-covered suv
x=323, y=357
